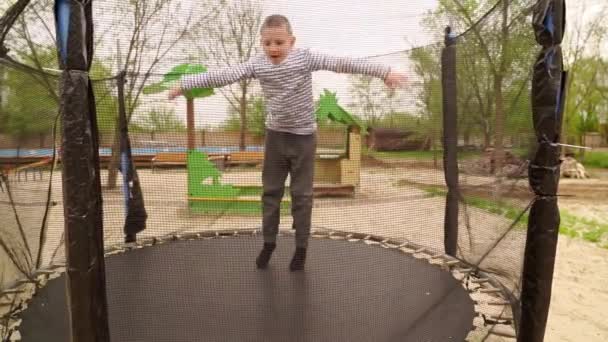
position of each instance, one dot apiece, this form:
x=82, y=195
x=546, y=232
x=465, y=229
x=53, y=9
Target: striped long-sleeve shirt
x=287, y=87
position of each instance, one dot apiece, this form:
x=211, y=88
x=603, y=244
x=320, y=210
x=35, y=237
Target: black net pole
x=450, y=142
x=135, y=211
x=543, y=225
x=81, y=181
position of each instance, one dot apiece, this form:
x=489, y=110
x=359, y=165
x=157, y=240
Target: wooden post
x=190, y=124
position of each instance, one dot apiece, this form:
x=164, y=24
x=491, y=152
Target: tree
x=372, y=99
x=585, y=35
x=366, y=94
x=32, y=42
x=230, y=40
x=427, y=68
x=256, y=117
x=159, y=120
x=29, y=109
x=489, y=50
x=494, y=64
x=587, y=98
x=151, y=31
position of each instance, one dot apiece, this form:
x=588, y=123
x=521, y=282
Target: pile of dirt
x=571, y=168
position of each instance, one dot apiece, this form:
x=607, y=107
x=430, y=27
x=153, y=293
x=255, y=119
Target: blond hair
x=277, y=20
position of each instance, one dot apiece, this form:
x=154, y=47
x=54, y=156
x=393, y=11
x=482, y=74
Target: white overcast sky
x=356, y=28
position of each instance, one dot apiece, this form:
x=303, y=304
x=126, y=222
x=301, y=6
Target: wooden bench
x=168, y=159
x=245, y=158
x=34, y=168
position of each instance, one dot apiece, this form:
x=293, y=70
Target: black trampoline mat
x=210, y=290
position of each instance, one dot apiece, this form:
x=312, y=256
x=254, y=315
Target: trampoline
x=431, y=245
x=208, y=289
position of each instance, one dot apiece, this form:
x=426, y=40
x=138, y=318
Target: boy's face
x=277, y=43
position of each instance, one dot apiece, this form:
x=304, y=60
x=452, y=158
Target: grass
x=495, y=207
x=579, y=227
x=570, y=225
x=595, y=159
x=417, y=155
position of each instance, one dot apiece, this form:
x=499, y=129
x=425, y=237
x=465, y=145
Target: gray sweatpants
x=293, y=154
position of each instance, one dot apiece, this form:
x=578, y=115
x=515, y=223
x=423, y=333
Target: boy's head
x=277, y=38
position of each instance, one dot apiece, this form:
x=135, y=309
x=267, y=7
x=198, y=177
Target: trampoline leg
x=298, y=260
x=265, y=254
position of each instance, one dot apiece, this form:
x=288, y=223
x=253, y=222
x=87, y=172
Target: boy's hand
x=395, y=80
x=175, y=92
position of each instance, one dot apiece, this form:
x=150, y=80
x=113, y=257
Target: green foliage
x=485, y=57
x=586, y=98
x=30, y=100
x=158, y=120
x=105, y=101
x=595, y=159
x=256, y=116
x=580, y=227
x=570, y=225
x=371, y=99
x=410, y=155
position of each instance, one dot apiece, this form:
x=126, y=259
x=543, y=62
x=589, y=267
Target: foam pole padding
x=450, y=142
x=136, y=215
x=548, y=99
x=88, y=312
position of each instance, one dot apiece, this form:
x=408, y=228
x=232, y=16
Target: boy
x=285, y=74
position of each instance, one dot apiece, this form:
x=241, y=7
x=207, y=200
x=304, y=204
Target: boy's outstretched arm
x=214, y=78
x=347, y=65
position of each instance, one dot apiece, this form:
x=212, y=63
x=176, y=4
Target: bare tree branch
x=231, y=40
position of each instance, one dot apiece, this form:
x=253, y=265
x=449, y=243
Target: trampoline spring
x=503, y=331
x=395, y=243
x=147, y=241
x=490, y=291
x=507, y=320
x=11, y=291
x=208, y=234
x=112, y=250
x=407, y=250
x=452, y=262
x=499, y=303
x=25, y=281
x=190, y=236
x=420, y=250
x=480, y=280
x=404, y=244
x=359, y=236
x=377, y=239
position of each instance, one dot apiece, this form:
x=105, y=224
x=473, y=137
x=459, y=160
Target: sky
x=355, y=28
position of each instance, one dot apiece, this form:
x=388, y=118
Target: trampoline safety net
x=144, y=216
